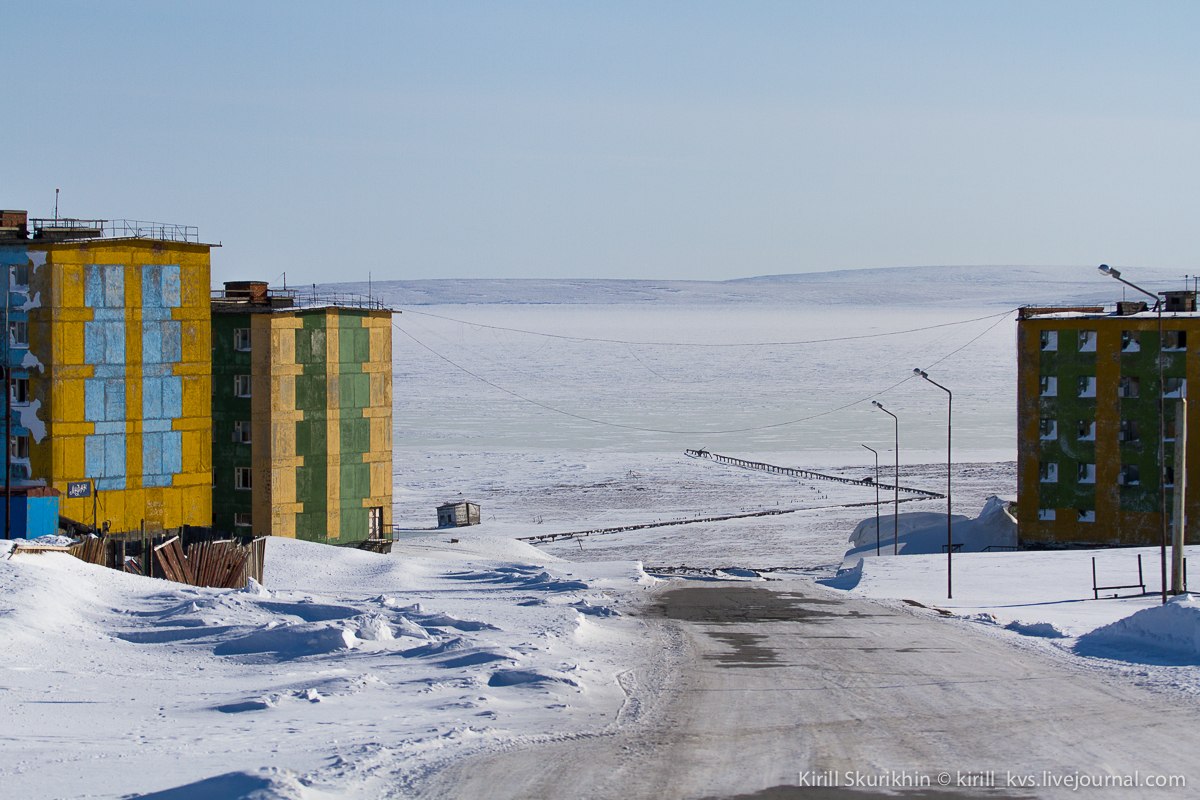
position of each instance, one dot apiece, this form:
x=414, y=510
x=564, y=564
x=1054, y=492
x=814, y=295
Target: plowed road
x=764, y=688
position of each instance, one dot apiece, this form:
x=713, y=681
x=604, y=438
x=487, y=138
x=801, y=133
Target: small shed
x=34, y=511
x=457, y=515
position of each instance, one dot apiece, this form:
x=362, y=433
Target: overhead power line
x=645, y=429
x=713, y=344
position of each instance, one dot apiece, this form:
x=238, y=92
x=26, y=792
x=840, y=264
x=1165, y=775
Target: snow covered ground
x=1044, y=601
x=560, y=407
x=116, y=683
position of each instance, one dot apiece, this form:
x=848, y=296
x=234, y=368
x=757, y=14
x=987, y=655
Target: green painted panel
x=353, y=524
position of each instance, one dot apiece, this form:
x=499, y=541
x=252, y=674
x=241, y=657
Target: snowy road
x=779, y=685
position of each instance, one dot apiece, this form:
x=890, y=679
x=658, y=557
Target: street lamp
x=949, y=536
x=896, y=512
x=876, y=452
x=1162, y=433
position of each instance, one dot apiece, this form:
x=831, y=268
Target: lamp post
x=1162, y=433
x=896, y=512
x=876, y=452
x=949, y=536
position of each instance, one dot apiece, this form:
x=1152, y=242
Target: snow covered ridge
x=1000, y=286
x=393, y=662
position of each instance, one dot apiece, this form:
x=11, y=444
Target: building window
x=18, y=446
x=18, y=333
x=1129, y=342
x=1170, y=477
x=1048, y=430
x=241, y=385
x=1128, y=431
x=1176, y=340
x=375, y=522
x=1087, y=385
x=1087, y=341
x=1049, y=341
x=1130, y=475
x=241, y=432
x=1174, y=387
x=20, y=390
x=1087, y=430
x=20, y=274
x=1049, y=386
x=214, y=477
x=1048, y=471
x=241, y=339
x=1086, y=474
x=1046, y=514
x=1129, y=386
x=241, y=520
x=1086, y=515
x=241, y=478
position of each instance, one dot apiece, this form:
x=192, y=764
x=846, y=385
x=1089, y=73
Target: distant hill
x=1000, y=286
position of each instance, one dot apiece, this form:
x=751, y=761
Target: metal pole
x=8, y=416
x=1162, y=433
x=1178, y=583
x=876, y=498
x=896, y=488
x=949, y=534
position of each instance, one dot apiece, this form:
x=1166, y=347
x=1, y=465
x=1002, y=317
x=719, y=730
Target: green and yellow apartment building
x=1089, y=403
x=143, y=398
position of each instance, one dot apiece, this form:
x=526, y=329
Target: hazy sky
x=659, y=140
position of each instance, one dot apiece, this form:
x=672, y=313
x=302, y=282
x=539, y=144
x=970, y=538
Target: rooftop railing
x=67, y=228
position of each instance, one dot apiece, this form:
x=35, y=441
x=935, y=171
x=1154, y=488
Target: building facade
x=302, y=416
x=1089, y=401
x=108, y=342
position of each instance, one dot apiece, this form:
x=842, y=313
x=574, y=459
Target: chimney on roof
x=14, y=225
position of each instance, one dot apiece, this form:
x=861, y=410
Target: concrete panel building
x=302, y=415
x=109, y=340
x=1089, y=400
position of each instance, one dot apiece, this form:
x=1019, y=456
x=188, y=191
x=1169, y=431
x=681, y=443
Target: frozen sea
x=564, y=405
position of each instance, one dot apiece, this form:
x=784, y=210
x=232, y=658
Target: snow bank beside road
x=382, y=664
x=1171, y=631
x=1046, y=599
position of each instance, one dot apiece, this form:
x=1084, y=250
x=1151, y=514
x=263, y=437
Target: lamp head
x=1107, y=270
x=920, y=373
x=877, y=404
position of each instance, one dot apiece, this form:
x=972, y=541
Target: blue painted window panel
x=114, y=343
x=93, y=342
x=93, y=400
x=93, y=286
x=152, y=398
x=172, y=396
x=93, y=456
x=172, y=342
x=151, y=287
x=114, y=400
x=170, y=286
x=114, y=456
x=151, y=343
x=172, y=452
x=151, y=454
x=114, y=286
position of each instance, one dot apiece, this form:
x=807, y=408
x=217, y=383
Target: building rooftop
x=256, y=297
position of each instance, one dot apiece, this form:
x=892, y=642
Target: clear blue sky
x=660, y=140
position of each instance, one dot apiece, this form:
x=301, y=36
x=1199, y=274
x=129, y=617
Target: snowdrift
x=922, y=533
x=1168, y=633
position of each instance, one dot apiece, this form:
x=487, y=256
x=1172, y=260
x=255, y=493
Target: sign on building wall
x=79, y=489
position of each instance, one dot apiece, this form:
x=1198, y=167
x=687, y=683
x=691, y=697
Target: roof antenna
x=56, y=206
